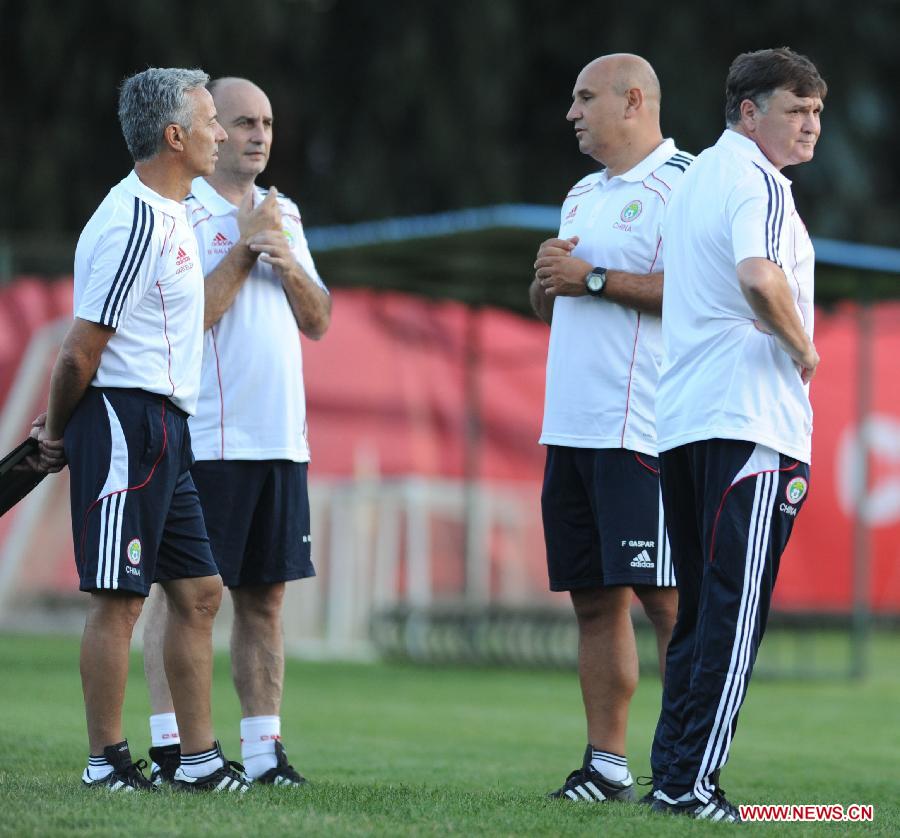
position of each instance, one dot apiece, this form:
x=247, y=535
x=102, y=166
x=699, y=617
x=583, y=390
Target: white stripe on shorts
x=112, y=508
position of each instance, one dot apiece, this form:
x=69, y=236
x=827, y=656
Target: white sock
x=98, y=767
x=258, y=737
x=164, y=730
x=202, y=764
x=612, y=766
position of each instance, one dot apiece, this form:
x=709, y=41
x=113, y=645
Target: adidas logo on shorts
x=643, y=559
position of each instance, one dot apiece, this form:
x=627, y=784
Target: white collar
x=137, y=187
x=746, y=147
x=650, y=163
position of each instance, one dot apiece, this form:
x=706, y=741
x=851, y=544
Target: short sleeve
x=293, y=228
x=120, y=268
x=757, y=210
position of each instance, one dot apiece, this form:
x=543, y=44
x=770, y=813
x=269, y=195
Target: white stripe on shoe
x=594, y=790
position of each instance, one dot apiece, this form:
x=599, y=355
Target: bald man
x=249, y=434
x=599, y=284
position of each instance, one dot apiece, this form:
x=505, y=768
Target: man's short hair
x=757, y=75
x=153, y=99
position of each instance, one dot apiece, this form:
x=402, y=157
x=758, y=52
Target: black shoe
x=164, y=763
x=282, y=774
x=230, y=777
x=588, y=784
x=125, y=776
x=717, y=809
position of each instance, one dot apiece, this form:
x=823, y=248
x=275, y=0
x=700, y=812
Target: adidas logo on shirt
x=220, y=244
x=183, y=261
x=643, y=559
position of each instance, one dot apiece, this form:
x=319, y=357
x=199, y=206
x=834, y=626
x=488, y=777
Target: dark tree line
x=387, y=108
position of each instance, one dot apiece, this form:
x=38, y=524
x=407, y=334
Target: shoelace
x=719, y=797
x=135, y=771
x=238, y=769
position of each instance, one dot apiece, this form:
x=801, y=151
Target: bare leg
x=155, y=616
x=660, y=606
x=192, y=607
x=105, y=645
x=607, y=663
x=257, y=648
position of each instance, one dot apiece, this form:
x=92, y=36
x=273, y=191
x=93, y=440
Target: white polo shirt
x=252, y=404
x=722, y=377
x=137, y=270
x=603, y=360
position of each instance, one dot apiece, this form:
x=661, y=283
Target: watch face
x=595, y=281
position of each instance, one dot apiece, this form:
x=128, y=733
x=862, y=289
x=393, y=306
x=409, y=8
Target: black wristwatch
x=595, y=281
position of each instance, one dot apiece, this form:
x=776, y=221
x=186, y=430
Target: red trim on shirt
x=655, y=192
x=166, y=333
x=630, y=374
x=221, y=394
x=796, y=262
x=202, y=220
x=657, y=177
x=129, y=488
x=172, y=230
x=655, y=255
x=712, y=540
x=583, y=190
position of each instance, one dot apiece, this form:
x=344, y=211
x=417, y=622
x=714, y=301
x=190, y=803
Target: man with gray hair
x=125, y=381
x=732, y=410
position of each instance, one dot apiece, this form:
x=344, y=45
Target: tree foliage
x=413, y=106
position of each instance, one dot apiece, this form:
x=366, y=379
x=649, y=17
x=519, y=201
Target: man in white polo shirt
x=126, y=379
x=733, y=412
x=249, y=433
x=599, y=285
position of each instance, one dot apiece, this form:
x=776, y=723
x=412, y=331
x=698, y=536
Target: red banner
x=403, y=386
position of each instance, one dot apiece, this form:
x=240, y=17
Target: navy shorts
x=136, y=517
x=257, y=516
x=603, y=519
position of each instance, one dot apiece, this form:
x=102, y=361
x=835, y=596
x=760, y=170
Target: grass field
x=392, y=749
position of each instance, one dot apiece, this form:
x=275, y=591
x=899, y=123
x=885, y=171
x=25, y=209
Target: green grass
x=399, y=750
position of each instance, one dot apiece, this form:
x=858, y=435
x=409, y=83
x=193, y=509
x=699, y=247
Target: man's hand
x=765, y=288
x=559, y=273
x=50, y=457
x=273, y=249
x=808, y=364
x=556, y=247
x=264, y=217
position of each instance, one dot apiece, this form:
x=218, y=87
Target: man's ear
x=173, y=136
x=749, y=113
x=634, y=98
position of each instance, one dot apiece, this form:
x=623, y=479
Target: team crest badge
x=796, y=490
x=133, y=551
x=631, y=211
